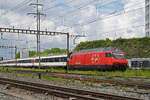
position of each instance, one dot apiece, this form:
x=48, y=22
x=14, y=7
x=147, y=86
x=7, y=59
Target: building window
x=147, y=1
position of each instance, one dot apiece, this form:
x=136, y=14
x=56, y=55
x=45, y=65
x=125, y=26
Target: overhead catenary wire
x=22, y=4
x=79, y=8
x=115, y=30
x=18, y=6
x=89, y=3
x=94, y=20
x=49, y=8
x=107, y=17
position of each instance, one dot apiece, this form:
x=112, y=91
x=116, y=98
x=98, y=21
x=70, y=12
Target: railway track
x=143, y=85
x=62, y=91
x=44, y=72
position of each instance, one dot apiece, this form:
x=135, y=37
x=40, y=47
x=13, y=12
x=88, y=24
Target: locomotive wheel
x=122, y=68
x=113, y=68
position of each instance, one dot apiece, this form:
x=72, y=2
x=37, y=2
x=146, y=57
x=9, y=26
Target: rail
x=143, y=85
x=62, y=91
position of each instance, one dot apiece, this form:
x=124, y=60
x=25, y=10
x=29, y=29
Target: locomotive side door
x=77, y=60
x=107, y=58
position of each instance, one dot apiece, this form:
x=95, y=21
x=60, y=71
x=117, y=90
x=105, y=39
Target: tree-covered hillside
x=135, y=47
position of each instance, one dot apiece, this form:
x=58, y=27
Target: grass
x=105, y=84
x=48, y=77
x=127, y=79
x=135, y=88
x=108, y=75
x=86, y=83
x=44, y=77
x=24, y=75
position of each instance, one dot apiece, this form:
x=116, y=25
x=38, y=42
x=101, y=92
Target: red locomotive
x=98, y=60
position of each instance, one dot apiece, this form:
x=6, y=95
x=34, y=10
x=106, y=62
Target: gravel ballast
x=102, y=88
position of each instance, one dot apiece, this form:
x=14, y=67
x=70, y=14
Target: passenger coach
x=46, y=61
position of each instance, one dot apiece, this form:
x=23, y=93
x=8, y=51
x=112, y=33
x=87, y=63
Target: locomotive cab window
x=108, y=55
x=118, y=55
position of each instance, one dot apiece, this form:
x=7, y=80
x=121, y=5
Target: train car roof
x=140, y=59
x=49, y=56
x=97, y=50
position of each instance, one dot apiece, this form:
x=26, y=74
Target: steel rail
x=143, y=85
x=77, y=74
x=62, y=91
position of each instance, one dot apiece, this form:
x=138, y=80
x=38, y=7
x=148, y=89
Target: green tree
x=18, y=55
x=32, y=53
x=134, y=47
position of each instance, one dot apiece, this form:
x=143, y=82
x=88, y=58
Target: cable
x=86, y=5
x=122, y=29
x=11, y=39
x=20, y=5
x=55, y=6
x=107, y=17
x=99, y=7
x=77, y=8
x=81, y=7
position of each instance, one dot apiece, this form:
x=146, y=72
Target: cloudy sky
x=97, y=19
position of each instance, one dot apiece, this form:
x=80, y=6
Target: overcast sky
x=97, y=19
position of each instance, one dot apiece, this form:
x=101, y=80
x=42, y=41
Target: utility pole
x=1, y=35
x=15, y=52
x=38, y=15
x=11, y=50
x=68, y=53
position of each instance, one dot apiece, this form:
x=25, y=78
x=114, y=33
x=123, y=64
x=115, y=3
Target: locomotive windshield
x=118, y=55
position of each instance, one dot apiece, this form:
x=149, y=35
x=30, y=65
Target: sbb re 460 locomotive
x=105, y=61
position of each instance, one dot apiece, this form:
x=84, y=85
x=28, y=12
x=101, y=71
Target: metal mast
x=38, y=15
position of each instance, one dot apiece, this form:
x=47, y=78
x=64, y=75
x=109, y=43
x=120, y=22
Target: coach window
x=56, y=59
x=108, y=55
x=46, y=60
x=37, y=60
x=60, y=59
x=43, y=60
x=51, y=59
